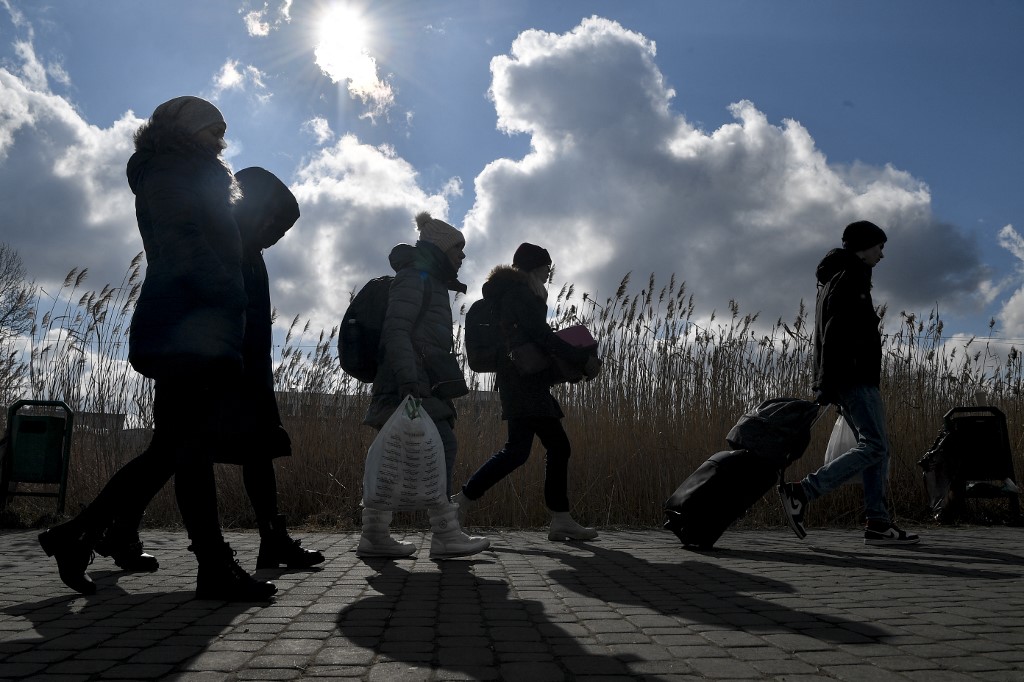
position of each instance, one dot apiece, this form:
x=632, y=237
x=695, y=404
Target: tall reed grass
x=672, y=386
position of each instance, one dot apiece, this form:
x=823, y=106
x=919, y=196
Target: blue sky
x=724, y=141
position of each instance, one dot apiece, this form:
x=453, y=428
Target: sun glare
x=342, y=46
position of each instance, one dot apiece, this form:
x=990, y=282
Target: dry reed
x=671, y=387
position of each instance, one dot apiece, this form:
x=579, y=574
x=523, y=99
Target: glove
x=412, y=389
x=592, y=367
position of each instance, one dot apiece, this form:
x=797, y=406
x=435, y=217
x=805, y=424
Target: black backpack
x=359, y=337
x=483, y=340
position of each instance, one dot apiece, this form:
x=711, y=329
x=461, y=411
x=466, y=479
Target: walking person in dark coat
x=418, y=327
x=186, y=334
x=255, y=435
x=519, y=294
x=847, y=373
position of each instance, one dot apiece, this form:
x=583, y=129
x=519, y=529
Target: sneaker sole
x=881, y=543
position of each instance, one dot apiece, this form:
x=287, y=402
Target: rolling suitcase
x=720, y=491
x=728, y=483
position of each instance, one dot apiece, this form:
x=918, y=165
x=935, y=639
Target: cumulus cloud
x=357, y=201
x=1011, y=316
x=62, y=182
x=743, y=212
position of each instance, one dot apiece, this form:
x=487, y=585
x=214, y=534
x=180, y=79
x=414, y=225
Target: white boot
x=464, y=504
x=376, y=541
x=564, y=527
x=448, y=539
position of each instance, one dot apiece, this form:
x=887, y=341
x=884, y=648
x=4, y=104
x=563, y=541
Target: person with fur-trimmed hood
x=519, y=295
x=418, y=327
x=187, y=335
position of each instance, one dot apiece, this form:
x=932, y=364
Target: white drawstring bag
x=840, y=442
x=404, y=468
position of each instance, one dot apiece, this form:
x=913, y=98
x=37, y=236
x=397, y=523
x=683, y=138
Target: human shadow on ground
x=454, y=620
x=110, y=632
x=115, y=630
x=914, y=560
x=697, y=592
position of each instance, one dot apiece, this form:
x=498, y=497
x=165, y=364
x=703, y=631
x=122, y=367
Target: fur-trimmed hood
x=501, y=279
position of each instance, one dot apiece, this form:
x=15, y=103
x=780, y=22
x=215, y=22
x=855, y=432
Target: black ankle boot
x=122, y=544
x=73, y=551
x=277, y=547
x=220, y=577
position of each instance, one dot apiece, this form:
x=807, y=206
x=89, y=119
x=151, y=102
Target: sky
x=725, y=142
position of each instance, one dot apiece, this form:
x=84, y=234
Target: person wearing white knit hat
x=417, y=332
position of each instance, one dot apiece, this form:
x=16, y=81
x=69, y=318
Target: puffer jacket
x=523, y=317
x=403, y=346
x=847, y=341
x=190, y=316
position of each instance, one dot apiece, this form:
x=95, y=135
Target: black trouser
x=186, y=413
x=516, y=451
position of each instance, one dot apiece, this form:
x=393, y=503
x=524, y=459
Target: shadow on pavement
x=699, y=592
x=454, y=620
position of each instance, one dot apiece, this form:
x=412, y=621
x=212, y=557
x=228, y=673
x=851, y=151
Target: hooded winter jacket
x=847, y=341
x=523, y=319
x=405, y=343
x=255, y=420
x=190, y=316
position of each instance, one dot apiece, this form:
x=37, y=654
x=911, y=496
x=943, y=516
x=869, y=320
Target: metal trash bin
x=37, y=450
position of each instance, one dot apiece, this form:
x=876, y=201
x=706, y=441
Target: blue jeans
x=451, y=449
x=864, y=411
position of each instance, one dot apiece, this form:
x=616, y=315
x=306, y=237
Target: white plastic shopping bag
x=404, y=468
x=841, y=441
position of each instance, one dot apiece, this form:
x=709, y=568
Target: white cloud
x=255, y=25
x=357, y=202
x=343, y=56
x=233, y=76
x=320, y=129
x=1011, y=316
x=256, y=20
x=743, y=212
x=62, y=183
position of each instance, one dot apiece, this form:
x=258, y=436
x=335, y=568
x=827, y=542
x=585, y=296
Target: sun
x=342, y=46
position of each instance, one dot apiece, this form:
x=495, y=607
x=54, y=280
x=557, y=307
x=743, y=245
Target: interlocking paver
x=633, y=604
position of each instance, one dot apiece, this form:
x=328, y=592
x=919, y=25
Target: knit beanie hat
x=438, y=232
x=862, y=235
x=191, y=114
x=530, y=257
x=263, y=191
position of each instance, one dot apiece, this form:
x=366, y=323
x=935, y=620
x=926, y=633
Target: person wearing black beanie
x=847, y=373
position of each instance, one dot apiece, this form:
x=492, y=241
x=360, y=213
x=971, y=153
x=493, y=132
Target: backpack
x=359, y=337
x=778, y=429
x=483, y=339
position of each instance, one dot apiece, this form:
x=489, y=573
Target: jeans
x=864, y=411
x=516, y=451
x=451, y=449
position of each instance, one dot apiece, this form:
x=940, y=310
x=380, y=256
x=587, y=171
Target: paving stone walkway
x=632, y=605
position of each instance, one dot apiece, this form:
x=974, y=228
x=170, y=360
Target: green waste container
x=37, y=450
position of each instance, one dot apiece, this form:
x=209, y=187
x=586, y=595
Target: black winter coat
x=404, y=347
x=190, y=316
x=523, y=316
x=847, y=340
